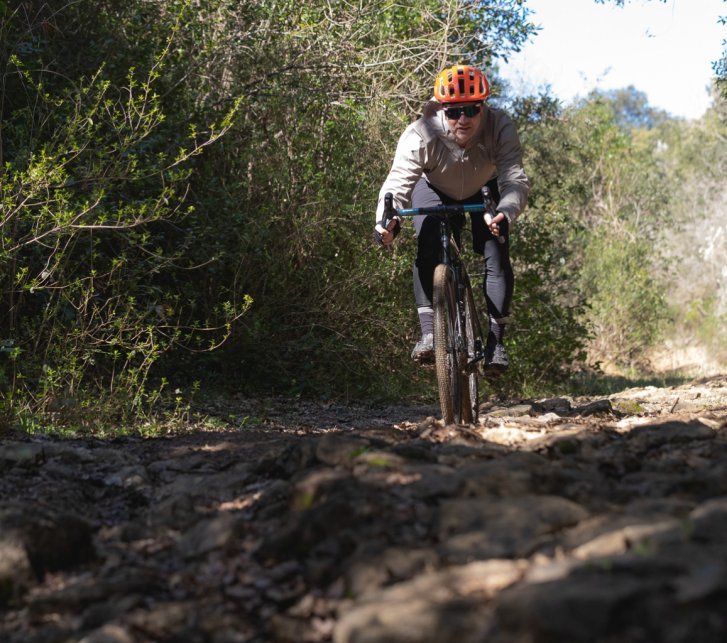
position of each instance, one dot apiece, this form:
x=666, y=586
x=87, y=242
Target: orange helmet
x=461, y=83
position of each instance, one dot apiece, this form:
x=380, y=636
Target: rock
x=201, y=485
x=670, y=432
x=333, y=449
x=52, y=541
x=561, y=441
x=626, y=406
x=208, y=534
x=133, y=476
x=274, y=500
x=516, y=410
x=36, y=541
x=175, y=512
x=704, y=578
x=103, y=596
x=380, y=459
x=123, y=598
x=21, y=454
x=708, y=522
x=16, y=573
x=109, y=634
x=597, y=407
x=714, y=420
x=369, y=570
x=507, y=436
x=578, y=607
x=638, y=537
x=168, y=620
x=349, y=508
x=558, y=405
x=434, y=607
x=524, y=528
x=313, y=485
x=661, y=507
x=290, y=461
x=488, y=528
x=70, y=453
x=515, y=474
x=433, y=481
x=415, y=451
x=549, y=418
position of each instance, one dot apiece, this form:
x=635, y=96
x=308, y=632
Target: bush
x=93, y=195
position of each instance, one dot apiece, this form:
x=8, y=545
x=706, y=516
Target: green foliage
x=93, y=188
x=720, y=66
x=704, y=318
x=599, y=203
x=167, y=167
x=122, y=242
x=627, y=307
x=631, y=108
x=695, y=159
x=332, y=314
x=547, y=335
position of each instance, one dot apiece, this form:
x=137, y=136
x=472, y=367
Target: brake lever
x=387, y=216
x=490, y=212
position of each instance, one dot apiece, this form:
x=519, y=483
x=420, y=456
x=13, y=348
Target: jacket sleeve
x=405, y=171
x=511, y=179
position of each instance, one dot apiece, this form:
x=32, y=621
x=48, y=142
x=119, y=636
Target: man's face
x=463, y=120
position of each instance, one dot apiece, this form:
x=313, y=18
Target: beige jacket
x=428, y=147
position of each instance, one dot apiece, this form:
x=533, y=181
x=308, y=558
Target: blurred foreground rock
x=550, y=520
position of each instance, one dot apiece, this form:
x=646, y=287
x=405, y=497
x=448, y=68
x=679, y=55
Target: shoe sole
x=493, y=371
x=424, y=358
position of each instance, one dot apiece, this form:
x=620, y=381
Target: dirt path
x=557, y=520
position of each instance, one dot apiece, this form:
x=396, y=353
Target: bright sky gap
x=665, y=50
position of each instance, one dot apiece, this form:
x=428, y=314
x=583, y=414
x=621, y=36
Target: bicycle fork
x=460, y=283
x=478, y=353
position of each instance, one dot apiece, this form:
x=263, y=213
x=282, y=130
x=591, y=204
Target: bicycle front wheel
x=448, y=353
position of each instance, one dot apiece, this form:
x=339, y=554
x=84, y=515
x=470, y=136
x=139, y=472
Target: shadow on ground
x=588, y=519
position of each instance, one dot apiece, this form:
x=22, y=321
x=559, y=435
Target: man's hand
x=492, y=223
x=387, y=236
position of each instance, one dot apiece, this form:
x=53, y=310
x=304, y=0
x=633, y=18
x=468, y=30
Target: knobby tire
x=452, y=384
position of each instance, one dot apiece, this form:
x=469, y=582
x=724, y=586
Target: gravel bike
x=459, y=344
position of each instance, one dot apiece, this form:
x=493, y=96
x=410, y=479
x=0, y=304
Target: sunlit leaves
x=89, y=195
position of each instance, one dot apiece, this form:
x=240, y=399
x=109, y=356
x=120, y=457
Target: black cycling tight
x=499, y=280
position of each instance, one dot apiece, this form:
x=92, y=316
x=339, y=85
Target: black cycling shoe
x=496, y=360
x=424, y=350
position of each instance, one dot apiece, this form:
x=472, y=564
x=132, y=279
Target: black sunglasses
x=468, y=110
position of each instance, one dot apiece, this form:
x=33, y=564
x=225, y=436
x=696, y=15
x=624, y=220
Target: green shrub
x=93, y=194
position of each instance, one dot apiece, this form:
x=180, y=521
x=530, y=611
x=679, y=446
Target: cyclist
x=456, y=147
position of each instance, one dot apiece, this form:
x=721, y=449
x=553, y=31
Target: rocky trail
x=599, y=519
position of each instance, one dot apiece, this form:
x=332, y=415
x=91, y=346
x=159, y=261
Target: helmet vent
x=461, y=83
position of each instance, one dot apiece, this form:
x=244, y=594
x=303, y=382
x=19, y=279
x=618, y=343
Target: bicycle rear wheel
x=470, y=406
x=453, y=389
